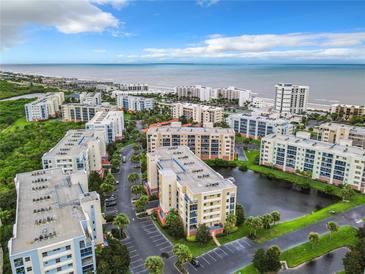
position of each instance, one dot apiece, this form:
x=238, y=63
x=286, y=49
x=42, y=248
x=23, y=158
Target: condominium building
x=134, y=103
x=257, y=126
x=110, y=122
x=45, y=107
x=79, y=149
x=58, y=223
x=83, y=112
x=347, y=112
x=134, y=87
x=291, y=99
x=90, y=98
x=206, y=143
x=331, y=163
x=198, y=113
x=186, y=183
x=335, y=132
x=207, y=93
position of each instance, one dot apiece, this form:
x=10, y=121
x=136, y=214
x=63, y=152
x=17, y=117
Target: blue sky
x=123, y=31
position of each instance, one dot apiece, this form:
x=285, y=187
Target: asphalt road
x=143, y=237
x=237, y=254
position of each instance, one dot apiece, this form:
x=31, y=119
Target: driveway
x=144, y=239
x=237, y=254
x=240, y=153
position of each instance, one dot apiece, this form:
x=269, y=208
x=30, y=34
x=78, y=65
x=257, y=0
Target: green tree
x=347, y=193
x=230, y=223
x=273, y=259
x=154, y=264
x=256, y=225
x=133, y=177
x=313, y=237
x=249, y=222
x=95, y=181
x=174, y=224
x=259, y=260
x=202, y=234
x=121, y=221
x=137, y=189
x=240, y=214
x=107, y=188
x=113, y=258
x=266, y=220
x=332, y=227
x=141, y=203
x=182, y=253
x=275, y=216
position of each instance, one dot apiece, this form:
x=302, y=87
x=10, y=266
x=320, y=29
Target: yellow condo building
x=185, y=183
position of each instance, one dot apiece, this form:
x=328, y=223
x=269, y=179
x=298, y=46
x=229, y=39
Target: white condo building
x=45, y=107
x=257, y=126
x=331, y=163
x=134, y=103
x=75, y=112
x=110, y=122
x=90, y=98
x=187, y=184
x=208, y=93
x=58, y=223
x=291, y=99
x=79, y=149
x=198, y=113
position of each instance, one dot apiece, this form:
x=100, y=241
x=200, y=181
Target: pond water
x=260, y=195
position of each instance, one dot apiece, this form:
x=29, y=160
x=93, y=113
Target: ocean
x=329, y=84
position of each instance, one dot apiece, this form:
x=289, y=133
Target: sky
x=218, y=31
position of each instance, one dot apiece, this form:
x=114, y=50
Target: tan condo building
x=198, y=113
x=340, y=134
x=185, y=183
x=347, y=112
x=206, y=143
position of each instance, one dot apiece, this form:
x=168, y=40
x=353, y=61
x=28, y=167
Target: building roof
x=336, y=126
x=44, y=99
x=102, y=117
x=72, y=144
x=203, y=107
x=313, y=144
x=190, y=171
x=256, y=117
x=187, y=130
x=48, y=209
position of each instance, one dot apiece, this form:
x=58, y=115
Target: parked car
x=195, y=262
x=117, y=182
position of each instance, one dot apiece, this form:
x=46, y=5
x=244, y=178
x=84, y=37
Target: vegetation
x=174, y=224
x=11, y=111
x=313, y=238
x=354, y=261
x=9, y=89
x=202, y=234
x=121, y=221
x=230, y=224
x=332, y=228
x=183, y=255
x=220, y=163
x=113, y=258
x=154, y=264
x=240, y=214
x=346, y=236
x=141, y=203
x=267, y=261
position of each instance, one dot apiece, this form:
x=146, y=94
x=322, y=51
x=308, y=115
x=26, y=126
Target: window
x=58, y=260
x=29, y=268
x=18, y=262
x=27, y=259
x=68, y=247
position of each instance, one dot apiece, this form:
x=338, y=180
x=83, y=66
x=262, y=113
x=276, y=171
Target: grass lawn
x=17, y=124
x=196, y=248
x=127, y=117
x=241, y=232
x=345, y=236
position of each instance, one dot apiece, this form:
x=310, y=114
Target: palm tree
x=121, y=221
x=275, y=216
x=154, y=264
x=332, y=227
x=182, y=253
x=313, y=237
x=249, y=223
x=133, y=177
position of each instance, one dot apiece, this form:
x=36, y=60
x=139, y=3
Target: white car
x=117, y=182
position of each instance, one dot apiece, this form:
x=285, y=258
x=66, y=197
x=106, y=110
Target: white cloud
x=271, y=46
x=67, y=16
x=114, y=3
x=207, y=3
x=118, y=33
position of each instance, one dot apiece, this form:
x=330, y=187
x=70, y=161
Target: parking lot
x=154, y=238
x=219, y=255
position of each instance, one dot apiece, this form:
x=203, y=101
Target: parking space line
x=151, y=224
x=225, y=253
x=156, y=236
x=165, y=247
x=130, y=251
x=215, y=252
x=154, y=231
x=138, y=266
x=205, y=260
x=157, y=240
x=131, y=257
x=145, y=221
x=212, y=257
x=142, y=271
x=190, y=266
x=163, y=243
x=228, y=249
